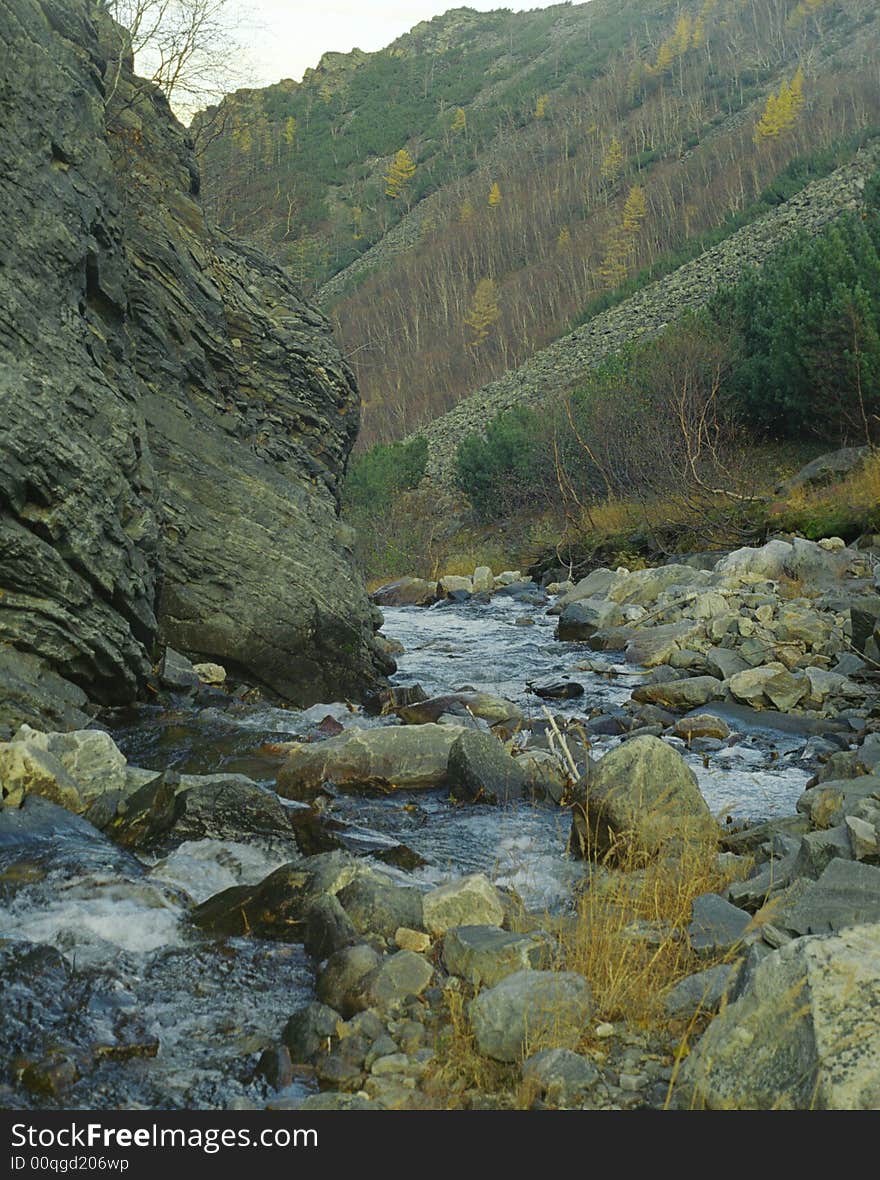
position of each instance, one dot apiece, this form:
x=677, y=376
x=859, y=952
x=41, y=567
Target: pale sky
x=285, y=37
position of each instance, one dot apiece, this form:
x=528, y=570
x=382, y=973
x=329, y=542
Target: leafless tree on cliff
x=186, y=47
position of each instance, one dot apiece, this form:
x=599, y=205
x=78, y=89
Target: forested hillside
x=490, y=179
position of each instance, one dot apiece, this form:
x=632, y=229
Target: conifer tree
x=541, y=106
x=290, y=131
x=563, y=241
x=494, y=199
x=459, y=120
x=483, y=311
x=399, y=175
x=466, y=213
x=612, y=161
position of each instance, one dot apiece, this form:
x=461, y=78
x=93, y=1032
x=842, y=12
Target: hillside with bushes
x=466, y=196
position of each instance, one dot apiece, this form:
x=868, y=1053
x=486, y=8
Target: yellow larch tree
x=401, y=172
x=459, y=120
x=290, y=131
x=620, y=245
x=541, y=106
x=563, y=240
x=466, y=213
x=483, y=311
x=612, y=161
x=781, y=110
x=494, y=199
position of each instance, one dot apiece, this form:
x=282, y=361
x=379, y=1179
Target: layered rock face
x=175, y=419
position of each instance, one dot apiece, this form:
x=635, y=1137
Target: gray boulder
x=484, y=955
x=701, y=992
x=716, y=926
x=341, y=984
x=642, y=795
x=468, y=901
x=804, y=1035
x=530, y=1010
x=480, y=769
x=399, y=757
x=561, y=1078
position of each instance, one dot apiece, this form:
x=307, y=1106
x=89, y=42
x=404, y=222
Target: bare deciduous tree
x=186, y=47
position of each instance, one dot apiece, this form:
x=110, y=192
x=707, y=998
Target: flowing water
x=100, y=968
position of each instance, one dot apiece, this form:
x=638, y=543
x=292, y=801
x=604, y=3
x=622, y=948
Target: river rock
x=689, y=693
x=561, y=1077
x=502, y=715
x=211, y=674
x=406, y=592
x=481, y=770
x=308, y=1031
x=25, y=770
x=482, y=580
x=645, y=793
x=176, y=672
x=453, y=584
x=400, y=757
x=484, y=955
x=92, y=763
x=803, y=1036
x=396, y=978
x=846, y=894
x=378, y=906
x=595, y=585
x=701, y=725
x=644, y=587
x=701, y=992
x=749, y=686
x=653, y=646
x=530, y=1010
x=275, y=908
x=341, y=984
x=716, y=926
x=829, y=803
x=558, y=690
x=176, y=418
x=580, y=620
x=469, y=901
x=328, y=928
x=546, y=778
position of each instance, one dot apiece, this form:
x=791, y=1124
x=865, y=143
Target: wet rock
x=785, y=690
x=482, y=580
x=702, y=992
x=546, y=779
x=484, y=955
x=480, y=769
x=716, y=926
x=724, y=663
x=681, y=694
x=455, y=583
x=379, y=907
x=309, y=1030
x=406, y=592
x=275, y=1067
x=176, y=673
x=341, y=984
x=405, y=757
x=701, y=725
x=561, y=1077
x=27, y=771
x=645, y=794
x=502, y=715
x=531, y=1008
x=469, y=901
x=233, y=807
x=276, y=908
x=388, y=700
x=580, y=620
x=803, y=1035
x=562, y=690
x=330, y=1100
x=328, y=928
x=397, y=977
x=143, y=817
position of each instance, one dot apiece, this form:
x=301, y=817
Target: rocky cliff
x=175, y=418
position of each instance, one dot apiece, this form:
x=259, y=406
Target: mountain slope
x=567, y=111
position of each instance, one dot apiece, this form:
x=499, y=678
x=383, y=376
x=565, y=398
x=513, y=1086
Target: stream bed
x=111, y=999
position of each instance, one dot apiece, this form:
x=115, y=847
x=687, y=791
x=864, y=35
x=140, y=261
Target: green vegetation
x=377, y=477
x=809, y=331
